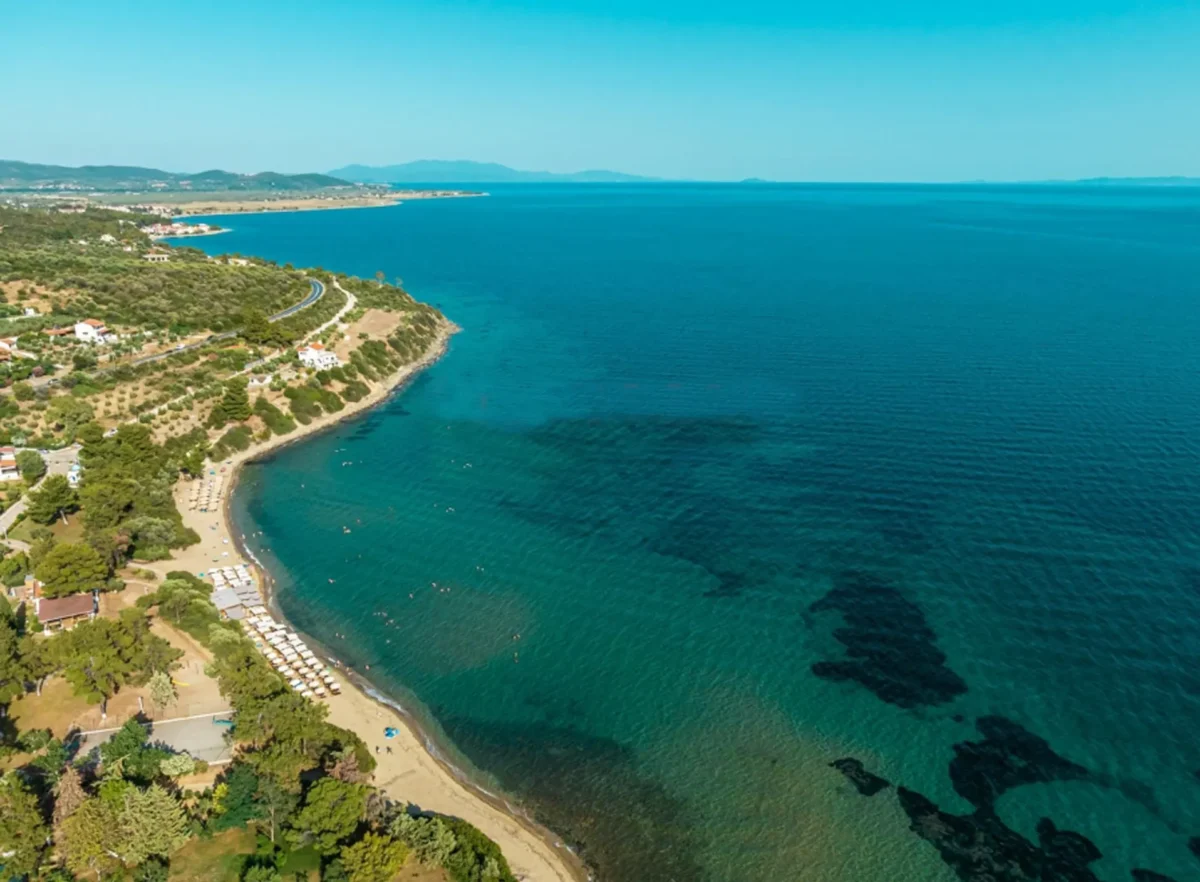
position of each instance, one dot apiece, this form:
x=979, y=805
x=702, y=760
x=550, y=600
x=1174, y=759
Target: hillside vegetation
x=297, y=800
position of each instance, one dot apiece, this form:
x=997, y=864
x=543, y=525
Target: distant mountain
x=1166, y=181
x=428, y=171
x=31, y=176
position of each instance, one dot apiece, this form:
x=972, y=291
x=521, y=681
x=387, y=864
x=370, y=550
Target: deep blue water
x=765, y=477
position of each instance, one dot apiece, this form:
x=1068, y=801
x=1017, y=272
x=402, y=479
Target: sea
x=773, y=532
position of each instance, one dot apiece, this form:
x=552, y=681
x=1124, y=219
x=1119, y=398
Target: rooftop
x=225, y=599
x=60, y=608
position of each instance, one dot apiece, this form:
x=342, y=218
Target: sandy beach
x=410, y=773
x=213, y=205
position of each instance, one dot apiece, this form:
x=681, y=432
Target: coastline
x=187, y=236
x=284, y=206
x=415, y=772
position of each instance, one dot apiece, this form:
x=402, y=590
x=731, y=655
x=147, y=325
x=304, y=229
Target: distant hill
x=31, y=176
x=428, y=171
x=1166, y=181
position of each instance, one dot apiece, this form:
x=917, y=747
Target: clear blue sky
x=889, y=90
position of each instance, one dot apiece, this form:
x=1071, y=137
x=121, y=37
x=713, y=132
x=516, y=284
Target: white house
x=315, y=355
x=30, y=311
x=157, y=257
x=8, y=464
x=8, y=344
x=91, y=331
x=108, y=239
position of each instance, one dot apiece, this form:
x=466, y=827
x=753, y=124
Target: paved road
x=197, y=736
x=351, y=302
x=316, y=293
x=58, y=462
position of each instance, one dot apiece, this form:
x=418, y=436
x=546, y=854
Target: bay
x=722, y=483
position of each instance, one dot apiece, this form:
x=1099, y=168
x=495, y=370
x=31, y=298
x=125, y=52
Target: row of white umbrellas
x=290, y=656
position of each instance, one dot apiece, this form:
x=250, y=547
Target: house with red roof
x=315, y=355
x=64, y=613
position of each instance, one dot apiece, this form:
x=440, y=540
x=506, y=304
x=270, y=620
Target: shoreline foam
x=417, y=772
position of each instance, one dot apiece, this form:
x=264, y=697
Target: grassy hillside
x=103, y=280
x=163, y=368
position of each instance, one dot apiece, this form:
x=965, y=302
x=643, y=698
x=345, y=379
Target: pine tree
x=70, y=569
x=374, y=858
x=152, y=823
x=236, y=401
x=13, y=672
x=53, y=498
x=23, y=833
x=332, y=811
x=68, y=796
x=89, y=838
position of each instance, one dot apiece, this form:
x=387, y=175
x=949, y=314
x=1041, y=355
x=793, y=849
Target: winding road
x=315, y=294
x=351, y=302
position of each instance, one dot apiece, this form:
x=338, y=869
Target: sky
x=842, y=90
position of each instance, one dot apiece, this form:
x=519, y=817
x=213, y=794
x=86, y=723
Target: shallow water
x=764, y=477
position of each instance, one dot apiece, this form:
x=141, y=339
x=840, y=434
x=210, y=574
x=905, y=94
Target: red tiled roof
x=65, y=607
x=95, y=323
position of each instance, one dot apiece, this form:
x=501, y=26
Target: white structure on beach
x=315, y=355
x=91, y=331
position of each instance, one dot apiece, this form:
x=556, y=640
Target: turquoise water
x=765, y=477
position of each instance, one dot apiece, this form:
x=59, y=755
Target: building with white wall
x=315, y=355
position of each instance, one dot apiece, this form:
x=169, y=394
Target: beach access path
x=410, y=773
